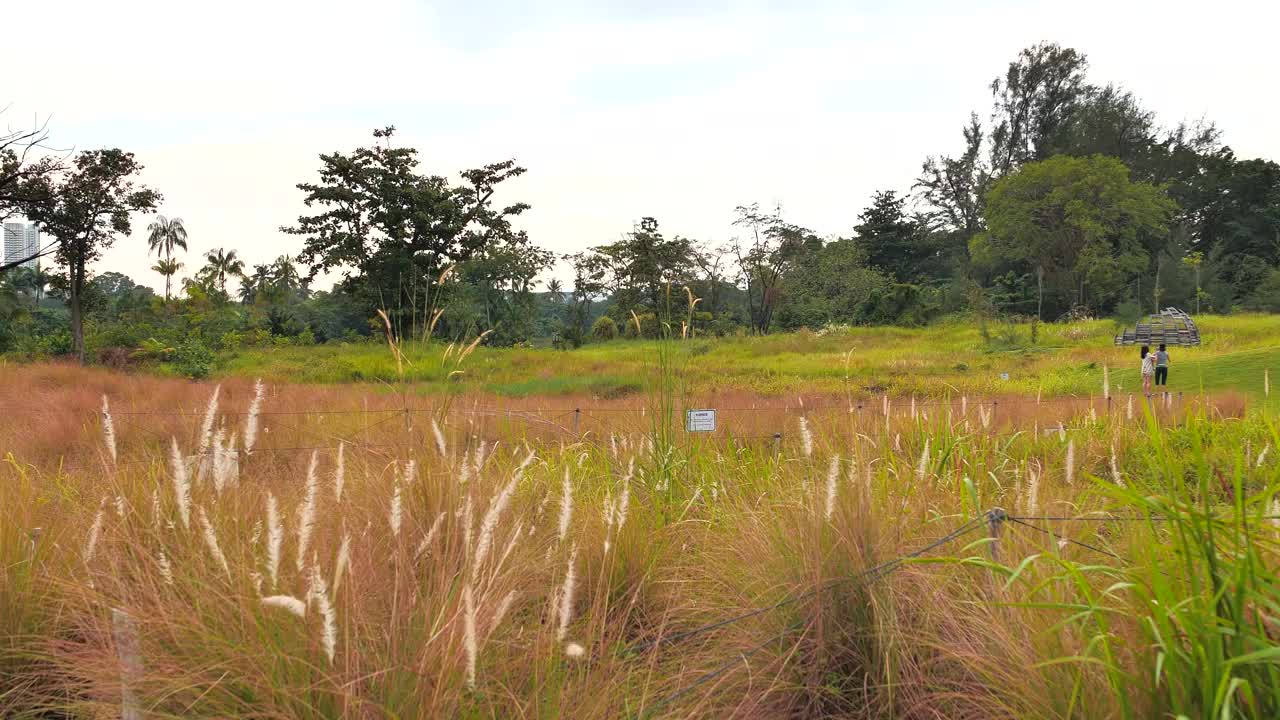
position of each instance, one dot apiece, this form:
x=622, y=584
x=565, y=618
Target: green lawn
x=948, y=357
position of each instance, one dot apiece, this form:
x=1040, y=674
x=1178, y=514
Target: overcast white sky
x=679, y=110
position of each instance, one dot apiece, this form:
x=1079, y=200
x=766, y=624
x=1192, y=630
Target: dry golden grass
x=464, y=606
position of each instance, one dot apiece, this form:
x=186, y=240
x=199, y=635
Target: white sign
x=1004, y=376
x=700, y=420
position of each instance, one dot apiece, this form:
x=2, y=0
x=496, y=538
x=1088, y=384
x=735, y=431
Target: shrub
x=192, y=359
x=604, y=328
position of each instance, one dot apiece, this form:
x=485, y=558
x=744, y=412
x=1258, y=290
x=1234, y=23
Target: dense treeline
x=1069, y=199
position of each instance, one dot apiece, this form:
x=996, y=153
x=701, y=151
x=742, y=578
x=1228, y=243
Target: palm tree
x=256, y=285
x=168, y=268
x=221, y=263
x=165, y=234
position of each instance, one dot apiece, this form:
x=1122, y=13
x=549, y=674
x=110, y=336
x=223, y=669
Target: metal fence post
x=995, y=523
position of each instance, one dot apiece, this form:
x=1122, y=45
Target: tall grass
x=530, y=588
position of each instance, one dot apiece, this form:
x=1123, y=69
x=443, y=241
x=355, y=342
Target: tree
x=954, y=188
x=1034, y=103
x=1194, y=260
x=90, y=206
x=168, y=267
x=1080, y=222
x=890, y=241
x=25, y=179
x=763, y=260
x=641, y=267
x=222, y=263
x=163, y=235
x=392, y=230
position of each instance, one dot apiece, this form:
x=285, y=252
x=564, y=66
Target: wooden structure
x=1170, y=326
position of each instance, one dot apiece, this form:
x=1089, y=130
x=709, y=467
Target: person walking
x=1148, y=369
x=1162, y=367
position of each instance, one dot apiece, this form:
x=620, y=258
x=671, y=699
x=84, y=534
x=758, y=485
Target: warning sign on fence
x=700, y=420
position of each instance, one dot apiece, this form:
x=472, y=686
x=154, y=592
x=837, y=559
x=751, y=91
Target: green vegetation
x=944, y=358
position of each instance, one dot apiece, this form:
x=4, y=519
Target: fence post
x=777, y=445
x=995, y=523
x=126, y=636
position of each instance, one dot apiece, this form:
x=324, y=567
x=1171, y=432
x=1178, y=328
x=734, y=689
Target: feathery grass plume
x=566, y=507
x=884, y=404
x=166, y=570
x=574, y=650
x=211, y=539
x=624, y=499
x=923, y=468
x=155, y=507
x=275, y=537
x=464, y=468
x=1262, y=456
x=1062, y=432
x=329, y=626
x=466, y=513
x=1128, y=410
x=181, y=484
x=469, y=633
x=1266, y=383
x=120, y=508
x=307, y=512
x=441, y=446
x=833, y=477
x=339, y=474
x=429, y=537
x=501, y=611
x=343, y=562
x=286, y=602
x=251, y=419
x=984, y=414
x=490, y=522
x=206, y=427
x=1071, y=462
x=108, y=429
x=806, y=438
x=410, y=471
x=964, y=406
x=1106, y=381
x=566, y=594
x=511, y=545
x=1274, y=512
x=393, y=516
x=95, y=531
x=1115, y=468
x=913, y=407
x=482, y=457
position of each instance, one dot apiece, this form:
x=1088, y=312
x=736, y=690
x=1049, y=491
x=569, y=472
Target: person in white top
x=1148, y=369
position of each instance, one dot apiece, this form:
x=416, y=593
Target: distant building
x=21, y=240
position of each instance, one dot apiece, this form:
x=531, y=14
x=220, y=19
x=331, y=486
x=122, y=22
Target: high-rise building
x=21, y=240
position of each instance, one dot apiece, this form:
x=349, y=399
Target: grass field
x=453, y=561
x=949, y=358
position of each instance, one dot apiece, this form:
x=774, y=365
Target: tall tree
x=1079, y=223
x=168, y=267
x=163, y=236
x=392, y=230
x=891, y=241
x=1034, y=102
x=642, y=266
x=91, y=205
x=764, y=257
x=222, y=263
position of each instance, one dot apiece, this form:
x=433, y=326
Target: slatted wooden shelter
x=1170, y=326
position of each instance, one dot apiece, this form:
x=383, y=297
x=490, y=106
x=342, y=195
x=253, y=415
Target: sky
x=619, y=110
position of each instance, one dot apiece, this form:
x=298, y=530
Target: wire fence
x=993, y=519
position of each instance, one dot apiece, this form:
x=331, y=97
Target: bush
x=604, y=328
x=192, y=359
